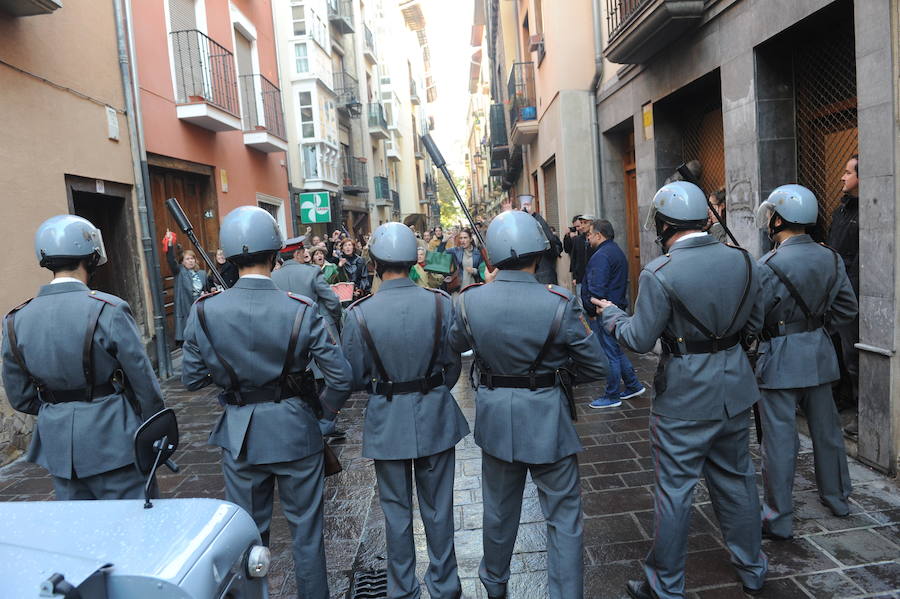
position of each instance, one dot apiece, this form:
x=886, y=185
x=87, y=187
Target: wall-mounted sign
x=315, y=208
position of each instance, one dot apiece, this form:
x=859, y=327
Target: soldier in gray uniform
x=74, y=357
x=524, y=406
x=704, y=384
x=307, y=280
x=255, y=341
x=804, y=284
x=397, y=344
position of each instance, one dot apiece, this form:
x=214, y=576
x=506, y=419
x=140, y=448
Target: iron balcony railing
x=370, y=40
x=498, y=126
x=619, y=12
x=341, y=11
x=376, y=115
x=521, y=93
x=382, y=188
x=262, y=105
x=413, y=89
x=355, y=173
x=346, y=87
x=204, y=71
x=395, y=199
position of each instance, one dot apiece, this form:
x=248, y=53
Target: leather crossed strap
x=715, y=342
x=811, y=320
x=387, y=387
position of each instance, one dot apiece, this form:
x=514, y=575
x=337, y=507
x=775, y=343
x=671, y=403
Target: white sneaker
x=468, y=354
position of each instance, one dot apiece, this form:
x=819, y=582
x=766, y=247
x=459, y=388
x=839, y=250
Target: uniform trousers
x=720, y=450
x=122, y=483
x=559, y=492
x=434, y=488
x=781, y=443
x=301, y=485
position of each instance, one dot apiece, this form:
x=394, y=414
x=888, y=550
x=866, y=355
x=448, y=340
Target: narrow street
x=857, y=556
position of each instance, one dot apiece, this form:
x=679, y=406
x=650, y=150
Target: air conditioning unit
x=536, y=43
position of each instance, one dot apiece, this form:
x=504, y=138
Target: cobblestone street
x=857, y=556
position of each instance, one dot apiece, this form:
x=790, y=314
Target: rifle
x=185, y=225
x=439, y=162
x=747, y=343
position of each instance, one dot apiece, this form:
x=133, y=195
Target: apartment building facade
x=540, y=56
x=761, y=94
x=353, y=112
x=212, y=115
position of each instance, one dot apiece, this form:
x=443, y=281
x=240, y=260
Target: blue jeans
x=620, y=367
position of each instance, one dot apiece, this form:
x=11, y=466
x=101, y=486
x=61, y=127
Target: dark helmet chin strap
x=774, y=230
x=663, y=234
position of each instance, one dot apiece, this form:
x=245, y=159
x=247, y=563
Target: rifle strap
x=792, y=289
x=370, y=343
x=438, y=330
x=551, y=335
x=232, y=375
x=87, y=357
x=289, y=356
x=17, y=351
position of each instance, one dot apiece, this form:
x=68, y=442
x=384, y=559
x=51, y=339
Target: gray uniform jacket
x=401, y=320
x=84, y=438
x=803, y=359
x=510, y=319
x=307, y=280
x=709, y=278
x=250, y=325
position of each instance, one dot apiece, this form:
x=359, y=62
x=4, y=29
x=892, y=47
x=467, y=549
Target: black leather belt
x=70, y=395
x=780, y=329
x=391, y=388
x=255, y=396
x=537, y=381
x=681, y=347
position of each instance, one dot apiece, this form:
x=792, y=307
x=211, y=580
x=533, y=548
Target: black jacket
x=843, y=236
x=580, y=252
x=546, y=271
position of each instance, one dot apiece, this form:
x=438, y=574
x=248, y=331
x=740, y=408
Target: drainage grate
x=369, y=584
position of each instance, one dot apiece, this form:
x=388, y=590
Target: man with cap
x=397, y=344
x=255, y=342
x=705, y=387
x=804, y=285
x=579, y=249
x=74, y=357
x=524, y=404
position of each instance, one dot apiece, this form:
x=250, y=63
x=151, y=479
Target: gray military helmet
x=793, y=203
x=68, y=236
x=679, y=203
x=249, y=230
x=393, y=243
x=514, y=234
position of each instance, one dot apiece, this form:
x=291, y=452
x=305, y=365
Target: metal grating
x=703, y=139
x=827, y=135
x=369, y=584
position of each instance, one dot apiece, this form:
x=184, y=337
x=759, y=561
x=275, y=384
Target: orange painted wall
x=248, y=170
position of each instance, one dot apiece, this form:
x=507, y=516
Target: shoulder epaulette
x=469, y=286
x=768, y=256
x=825, y=245
x=299, y=298
x=19, y=307
x=359, y=301
x=658, y=263
x=560, y=291
x=439, y=291
x=94, y=295
x=209, y=294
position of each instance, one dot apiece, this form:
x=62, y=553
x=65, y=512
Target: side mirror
x=154, y=443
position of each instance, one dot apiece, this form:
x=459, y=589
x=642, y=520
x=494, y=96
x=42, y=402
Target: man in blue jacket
x=606, y=277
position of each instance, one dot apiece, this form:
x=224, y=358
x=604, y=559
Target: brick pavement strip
x=857, y=556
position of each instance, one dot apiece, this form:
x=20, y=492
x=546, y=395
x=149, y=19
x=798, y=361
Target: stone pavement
x=858, y=556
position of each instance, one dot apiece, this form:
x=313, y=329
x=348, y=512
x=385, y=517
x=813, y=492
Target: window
x=310, y=161
x=307, y=126
x=318, y=30
x=299, y=17
x=301, y=59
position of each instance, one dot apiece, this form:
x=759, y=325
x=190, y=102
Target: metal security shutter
x=243, y=52
x=551, y=198
x=185, y=50
x=182, y=15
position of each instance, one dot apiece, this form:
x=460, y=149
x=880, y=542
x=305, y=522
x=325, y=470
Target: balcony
x=499, y=143
x=263, y=115
x=356, y=176
x=347, y=89
x=498, y=167
x=414, y=92
x=29, y=8
x=641, y=28
x=417, y=147
x=378, y=127
x=523, y=107
x=340, y=14
x=206, y=91
x=391, y=151
x=369, y=46
x=382, y=191
x=395, y=199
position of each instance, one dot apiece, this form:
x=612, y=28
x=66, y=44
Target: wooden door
x=632, y=218
x=190, y=190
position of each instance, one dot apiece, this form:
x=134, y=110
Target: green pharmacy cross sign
x=315, y=208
